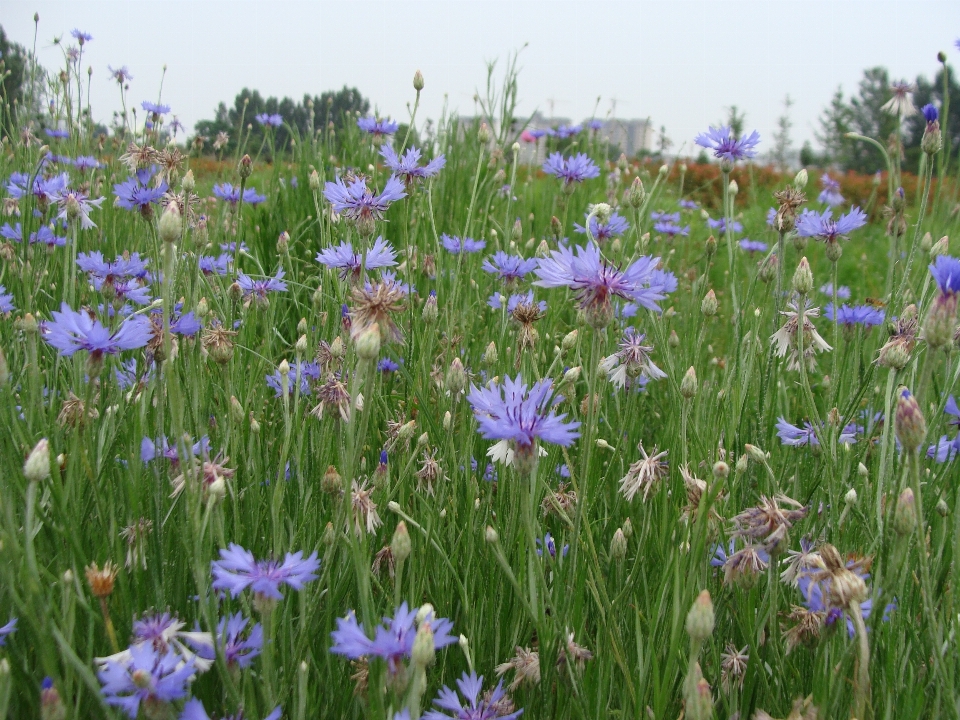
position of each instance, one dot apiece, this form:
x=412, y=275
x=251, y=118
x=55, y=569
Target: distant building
x=631, y=136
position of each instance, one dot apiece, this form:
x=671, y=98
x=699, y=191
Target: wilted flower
x=901, y=104
x=631, y=361
x=786, y=337
x=363, y=509
x=644, y=474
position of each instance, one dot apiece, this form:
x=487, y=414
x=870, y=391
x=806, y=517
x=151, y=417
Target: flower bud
x=329, y=535
x=627, y=529
x=910, y=426
x=283, y=243
x=905, y=513
x=543, y=249
x=483, y=134
x=400, y=545
x=862, y=471
x=940, y=247
x=721, y=470
x=755, y=453
x=662, y=172
x=37, y=466
x=932, y=141
x=423, y=440
x=188, y=183
x=254, y=425
x=767, y=269
x=418, y=81
x=490, y=355
x=709, y=305
x=367, y=343
x=235, y=292
x=246, y=167
x=569, y=341
x=673, y=340
x=337, y=348
x=456, y=380
x=742, y=464
x=800, y=179
x=710, y=247
x=314, y=180
x=571, y=376
x=700, y=619
x=803, y=278
x=430, y=311
x=331, y=482
x=51, y=705
x=301, y=346
x=423, y=653
x=942, y=509
x=941, y=320
x=698, y=700
x=618, y=546
x=490, y=535
x=170, y=225
x=516, y=232
x=688, y=386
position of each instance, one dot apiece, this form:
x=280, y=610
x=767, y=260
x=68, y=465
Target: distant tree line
x=861, y=113
x=337, y=107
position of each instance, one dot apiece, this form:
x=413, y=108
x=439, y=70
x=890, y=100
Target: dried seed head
x=101, y=580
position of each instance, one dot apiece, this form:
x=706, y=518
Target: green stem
x=885, y=442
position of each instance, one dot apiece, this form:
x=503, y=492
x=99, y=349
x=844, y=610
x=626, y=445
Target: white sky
x=679, y=62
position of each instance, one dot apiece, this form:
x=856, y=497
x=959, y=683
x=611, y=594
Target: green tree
x=928, y=92
x=867, y=118
x=835, y=123
x=13, y=60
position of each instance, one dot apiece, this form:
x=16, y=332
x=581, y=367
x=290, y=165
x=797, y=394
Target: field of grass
x=660, y=542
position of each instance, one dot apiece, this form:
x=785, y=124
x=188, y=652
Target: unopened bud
x=700, y=619
x=755, y=453
x=490, y=355
x=367, y=343
x=423, y=440
x=569, y=341
x=331, y=482
x=662, y=172
x=767, y=270
x=418, y=81
x=400, y=545
x=721, y=470
x=556, y=227
x=710, y=247
x=851, y=497
x=709, y=305
x=337, y=349
x=483, y=134
x=490, y=535
x=942, y=509
x=627, y=529
x=742, y=464
x=456, y=380
x=246, y=167
x=941, y=320
x=543, y=249
x=571, y=376
x=283, y=243
x=516, y=233
x=673, y=340
x=37, y=466
x=800, y=179
x=236, y=410
x=688, y=385
x=314, y=180
x=734, y=188
x=940, y=247
x=862, y=470
x=911, y=427
x=618, y=545
x=926, y=242
x=329, y=535
x=188, y=183
x=803, y=278
x=905, y=514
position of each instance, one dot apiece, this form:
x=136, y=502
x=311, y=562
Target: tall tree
x=928, y=92
x=867, y=118
x=14, y=59
x=835, y=123
x=782, y=144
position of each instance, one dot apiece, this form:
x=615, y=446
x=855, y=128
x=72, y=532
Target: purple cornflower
x=393, y=638
x=855, y=315
x=815, y=599
x=407, y=167
x=660, y=215
x=518, y=418
x=146, y=677
x=80, y=36
x=946, y=271
x=163, y=633
x=596, y=282
x=688, y=204
x=273, y=121
x=721, y=225
x=951, y=408
x=595, y=124
x=237, y=650
x=771, y=216
x=70, y=331
x=8, y=629
x=387, y=365
x=193, y=710
x=473, y=706
x=99, y=269
x=356, y=202
x=256, y=290
x=226, y=191
x=127, y=289
x=670, y=229
x=812, y=224
x=134, y=194
x=86, y=162
x=308, y=371
x=377, y=127
x=161, y=447
x=509, y=268
x=830, y=195
x=496, y=303
x=76, y=205
x=456, y=245
x=45, y=189
x=930, y=113
x=14, y=233
x=127, y=375
x=350, y=264
x=753, y=245
x=56, y=134
x=155, y=108
x=237, y=570
x=6, y=301
x=576, y=168
x=551, y=546
x=210, y=265
x=616, y=225
x=944, y=449
x=120, y=74
x=843, y=292
x=567, y=131
x=46, y=236
x=798, y=437
x=725, y=146
x=536, y=133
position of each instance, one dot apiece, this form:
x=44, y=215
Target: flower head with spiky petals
x=509, y=268
x=574, y=169
x=70, y=331
x=146, y=677
x=275, y=120
x=163, y=633
x=456, y=245
x=350, y=264
x=228, y=193
x=237, y=570
x=823, y=227
x=134, y=193
x=356, y=202
x=901, y=104
x=752, y=246
x=155, y=108
x=865, y=315
x=946, y=271
x=256, y=290
x=393, y=638
x=631, y=360
x=407, y=166
x=830, y=195
x=377, y=127
x=599, y=231
x=596, y=282
x=726, y=146
x=120, y=74
x=193, y=710
x=6, y=301
x=494, y=704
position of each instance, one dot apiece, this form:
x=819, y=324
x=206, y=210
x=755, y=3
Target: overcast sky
x=680, y=62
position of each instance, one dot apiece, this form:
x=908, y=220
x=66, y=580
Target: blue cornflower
x=473, y=706
x=93, y=264
x=210, y=265
x=349, y=264
x=771, y=216
x=812, y=224
x=146, y=677
x=951, y=408
x=6, y=301
x=509, y=268
x=387, y=365
x=721, y=225
x=830, y=195
x=670, y=229
x=856, y=315
x=193, y=710
x=237, y=570
x=256, y=290
x=376, y=126
x=661, y=216
x=80, y=36
x=239, y=651
x=161, y=447
x=930, y=113
x=518, y=418
x=76, y=205
x=231, y=247
x=616, y=225
x=944, y=449
x=567, y=131
x=87, y=162
x=6, y=630
x=689, y=204
x=128, y=376
x=356, y=202
x=56, y=134
x=526, y=299
x=727, y=147
x=155, y=108
x=226, y=191
x=456, y=245
x=946, y=271
x=48, y=237
x=595, y=124
x=120, y=74
x=308, y=371
x=576, y=168
x=798, y=437
x=753, y=245
x=70, y=331
x=274, y=120
x=163, y=633
x=551, y=546
x=134, y=193
x=45, y=189
x=14, y=233
x=596, y=282
x=843, y=292
x=816, y=597
x=393, y=638
x=127, y=289
x=407, y=167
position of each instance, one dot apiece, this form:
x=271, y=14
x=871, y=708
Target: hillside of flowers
x=398, y=425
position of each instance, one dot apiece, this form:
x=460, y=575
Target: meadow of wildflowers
x=395, y=430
